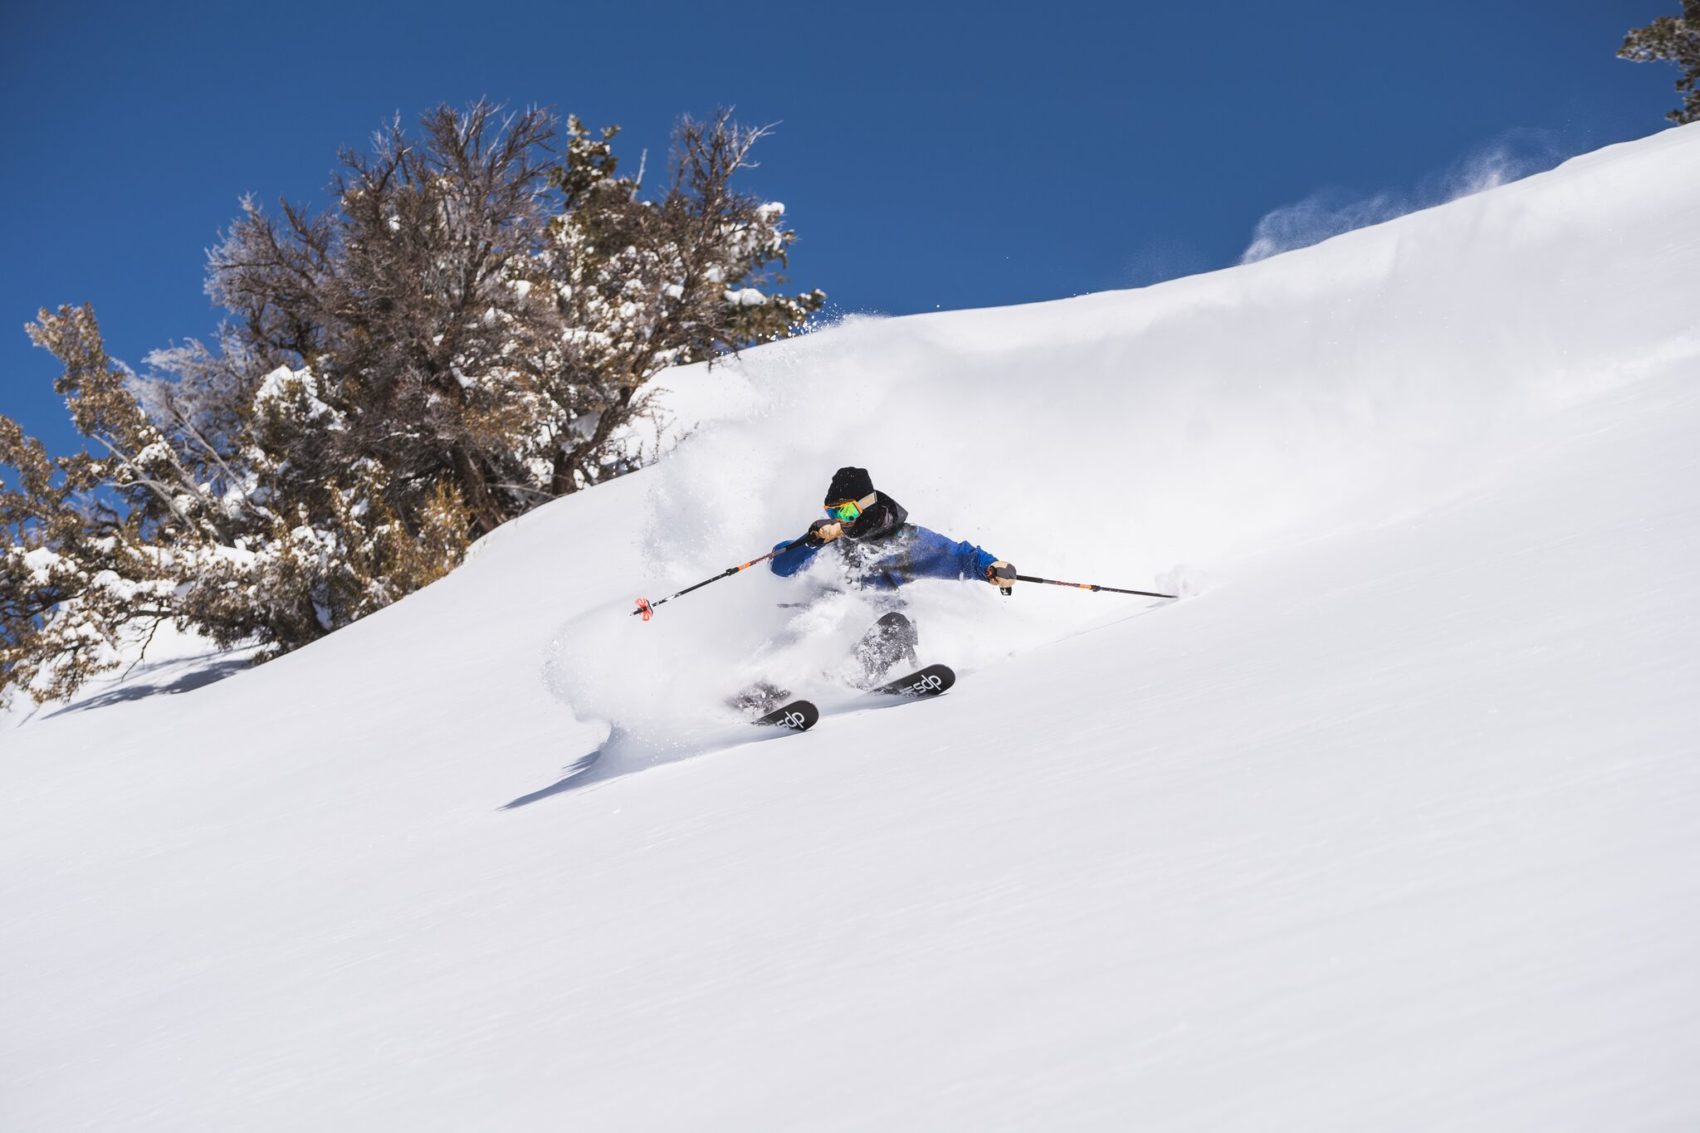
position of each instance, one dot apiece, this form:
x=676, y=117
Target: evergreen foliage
x=1672, y=39
x=465, y=334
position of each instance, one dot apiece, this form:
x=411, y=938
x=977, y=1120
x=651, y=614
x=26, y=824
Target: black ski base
x=931, y=681
x=798, y=716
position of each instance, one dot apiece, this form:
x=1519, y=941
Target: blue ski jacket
x=908, y=553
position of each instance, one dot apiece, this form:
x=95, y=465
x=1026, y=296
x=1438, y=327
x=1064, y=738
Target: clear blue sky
x=931, y=155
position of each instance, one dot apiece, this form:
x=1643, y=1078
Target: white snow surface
x=1390, y=824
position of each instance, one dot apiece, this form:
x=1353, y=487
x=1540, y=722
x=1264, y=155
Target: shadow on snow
x=623, y=753
x=212, y=673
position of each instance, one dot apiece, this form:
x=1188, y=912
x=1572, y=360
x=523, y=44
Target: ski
x=798, y=716
x=801, y=715
x=930, y=681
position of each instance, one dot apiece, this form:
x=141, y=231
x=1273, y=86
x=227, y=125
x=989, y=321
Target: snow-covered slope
x=1390, y=826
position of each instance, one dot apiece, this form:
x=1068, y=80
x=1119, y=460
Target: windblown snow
x=1389, y=824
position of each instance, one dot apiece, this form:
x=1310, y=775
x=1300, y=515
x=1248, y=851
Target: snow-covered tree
x=486, y=301
x=1672, y=39
x=177, y=514
x=88, y=537
x=642, y=285
x=466, y=333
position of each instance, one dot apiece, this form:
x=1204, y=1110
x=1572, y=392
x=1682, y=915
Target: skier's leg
x=759, y=698
x=892, y=639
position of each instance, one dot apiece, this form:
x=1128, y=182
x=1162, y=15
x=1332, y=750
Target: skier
x=878, y=549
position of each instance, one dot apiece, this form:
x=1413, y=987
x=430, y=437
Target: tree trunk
x=475, y=488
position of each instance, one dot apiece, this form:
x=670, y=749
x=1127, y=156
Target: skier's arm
x=937, y=556
x=787, y=563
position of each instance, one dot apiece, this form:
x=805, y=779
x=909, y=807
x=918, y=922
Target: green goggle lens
x=846, y=512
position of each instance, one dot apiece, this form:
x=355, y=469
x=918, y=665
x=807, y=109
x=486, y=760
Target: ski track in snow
x=1388, y=824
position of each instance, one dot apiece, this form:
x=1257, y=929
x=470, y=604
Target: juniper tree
x=1672, y=39
x=169, y=517
x=484, y=304
x=647, y=285
x=87, y=535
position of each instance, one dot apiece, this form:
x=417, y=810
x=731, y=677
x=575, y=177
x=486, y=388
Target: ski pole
x=647, y=608
x=1092, y=586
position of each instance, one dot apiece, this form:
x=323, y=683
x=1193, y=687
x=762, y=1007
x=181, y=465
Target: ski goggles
x=845, y=512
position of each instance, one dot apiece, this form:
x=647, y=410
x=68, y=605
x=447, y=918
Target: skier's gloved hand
x=1001, y=575
x=823, y=531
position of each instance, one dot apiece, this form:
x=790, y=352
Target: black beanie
x=849, y=484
